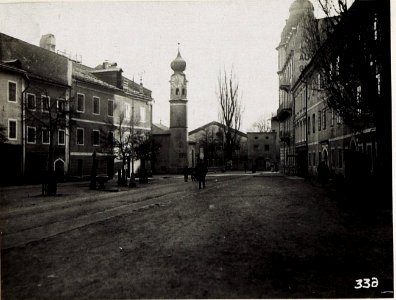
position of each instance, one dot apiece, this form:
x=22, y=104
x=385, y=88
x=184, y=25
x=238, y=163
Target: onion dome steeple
x=178, y=64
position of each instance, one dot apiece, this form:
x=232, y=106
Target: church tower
x=178, y=116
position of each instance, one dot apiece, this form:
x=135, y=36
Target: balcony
x=284, y=83
x=285, y=137
x=283, y=113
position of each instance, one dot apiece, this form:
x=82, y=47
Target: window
x=340, y=158
x=313, y=123
x=314, y=159
x=45, y=103
x=80, y=136
x=127, y=111
x=359, y=98
x=12, y=129
x=309, y=159
x=183, y=92
x=31, y=135
x=332, y=117
x=339, y=121
x=110, y=108
x=12, y=94
x=96, y=105
x=319, y=120
x=61, y=137
x=177, y=91
x=31, y=101
x=319, y=82
x=95, y=138
x=375, y=29
x=80, y=102
x=266, y=147
x=110, y=138
x=378, y=76
x=142, y=114
x=61, y=105
x=324, y=119
x=45, y=136
x=309, y=125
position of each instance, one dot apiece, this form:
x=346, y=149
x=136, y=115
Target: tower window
x=12, y=94
x=177, y=91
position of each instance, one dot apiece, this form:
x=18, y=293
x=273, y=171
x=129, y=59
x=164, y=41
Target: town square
x=196, y=149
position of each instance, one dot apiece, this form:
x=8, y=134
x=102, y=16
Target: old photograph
x=196, y=149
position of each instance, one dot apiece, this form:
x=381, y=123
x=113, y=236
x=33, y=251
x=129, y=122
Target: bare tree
x=211, y=140
x=121, y=139
x=262, y=125
x=347, y=60
x=145, y=148
x=51, y=116
x=230, y=110
x=118, y=138
x=350, y=48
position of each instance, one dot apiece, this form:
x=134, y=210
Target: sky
x=143, y=36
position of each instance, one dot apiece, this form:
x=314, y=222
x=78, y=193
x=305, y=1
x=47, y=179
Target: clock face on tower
x=177, y=81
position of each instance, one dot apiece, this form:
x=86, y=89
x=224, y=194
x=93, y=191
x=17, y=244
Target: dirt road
x=241, y=237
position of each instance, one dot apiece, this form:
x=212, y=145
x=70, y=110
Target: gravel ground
x=241, y=237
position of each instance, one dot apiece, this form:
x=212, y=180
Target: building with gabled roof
x=38, y=102
x=44, y=84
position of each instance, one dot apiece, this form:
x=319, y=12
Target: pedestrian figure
x=201, y=171
x=193, y=175
x=323, y=173
x=185, y=172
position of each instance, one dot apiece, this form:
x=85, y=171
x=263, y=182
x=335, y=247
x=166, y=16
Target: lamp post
x=94, y=171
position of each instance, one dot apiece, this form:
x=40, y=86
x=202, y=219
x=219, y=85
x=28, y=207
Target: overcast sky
x=142, y=37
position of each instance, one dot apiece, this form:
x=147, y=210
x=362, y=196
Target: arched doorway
x=260, y=163
x=59, y=167
x=325, y=156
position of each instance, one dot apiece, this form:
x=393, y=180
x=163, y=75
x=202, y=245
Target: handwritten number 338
x=366, y=283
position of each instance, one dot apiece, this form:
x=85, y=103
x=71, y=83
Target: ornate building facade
x=316, y=124
x=291, y=61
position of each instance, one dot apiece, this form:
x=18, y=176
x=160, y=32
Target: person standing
x=203, y=172
x=185, y=173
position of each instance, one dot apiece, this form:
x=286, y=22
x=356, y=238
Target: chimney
x=47, y=41
x=106, y=64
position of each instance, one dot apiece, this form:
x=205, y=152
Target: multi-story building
x=263, y=150
x=58, y=110
x=108, y=106
x=13, y=83
x=291, y=61
x=349, y=148
x=35, y=102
